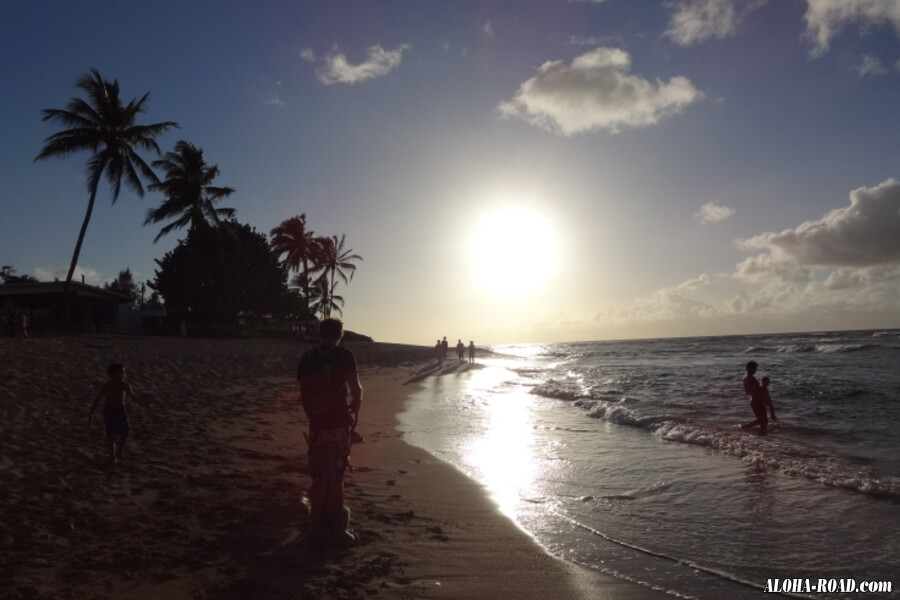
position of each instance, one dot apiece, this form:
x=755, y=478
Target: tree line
x=221, y=267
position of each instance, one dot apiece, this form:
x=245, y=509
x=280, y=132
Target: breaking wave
x=820, y=348
x=768, y=452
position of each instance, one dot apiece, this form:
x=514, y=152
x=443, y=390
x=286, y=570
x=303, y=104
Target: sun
x=513, y=251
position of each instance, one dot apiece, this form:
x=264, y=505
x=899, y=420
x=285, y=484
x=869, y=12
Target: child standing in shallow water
x=767, y=399
x=115, y=418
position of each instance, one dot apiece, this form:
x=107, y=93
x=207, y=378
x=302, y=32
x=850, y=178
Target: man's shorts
x=329, y=451
x=116, y=421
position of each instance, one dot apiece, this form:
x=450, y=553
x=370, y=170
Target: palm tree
x=107, y=128
x=336, y=261
x=190, y=198
x=324, y=300
x=292, y=239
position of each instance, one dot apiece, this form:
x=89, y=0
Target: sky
x=510, y=171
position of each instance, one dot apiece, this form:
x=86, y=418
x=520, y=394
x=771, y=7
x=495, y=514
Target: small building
x=91, y=309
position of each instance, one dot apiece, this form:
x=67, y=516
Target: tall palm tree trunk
x=331, y=291
x=66, y=296
x=305, y=287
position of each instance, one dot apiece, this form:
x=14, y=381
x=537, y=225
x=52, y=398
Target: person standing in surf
x=755, y=394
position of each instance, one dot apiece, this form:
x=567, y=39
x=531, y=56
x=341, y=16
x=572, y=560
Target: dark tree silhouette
x=336, y=261
x=190, y=197
x=212, y=277
x=300, y=248
x=124, y=284
x=8, y=275
x=107, y=129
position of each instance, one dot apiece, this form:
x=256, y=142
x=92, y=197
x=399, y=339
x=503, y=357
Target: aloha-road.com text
x=812, y=586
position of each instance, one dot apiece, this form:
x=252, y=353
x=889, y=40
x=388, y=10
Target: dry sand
x=206, y=503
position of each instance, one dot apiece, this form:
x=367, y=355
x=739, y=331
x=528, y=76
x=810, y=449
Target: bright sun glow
x=513, y=250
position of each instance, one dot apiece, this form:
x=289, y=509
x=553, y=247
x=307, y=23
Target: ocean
x=627, y=457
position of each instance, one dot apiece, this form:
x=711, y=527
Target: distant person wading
x=759, y=399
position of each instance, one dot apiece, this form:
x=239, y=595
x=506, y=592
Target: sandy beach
x=207, y=502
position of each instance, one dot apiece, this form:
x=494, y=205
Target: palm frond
x=143, y=167
x=70, y=118
x=131, y=176
x=114, y=169
x=177, y=224
x=187, y=195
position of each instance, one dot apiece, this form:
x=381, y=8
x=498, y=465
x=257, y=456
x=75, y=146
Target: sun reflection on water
x=503, y=452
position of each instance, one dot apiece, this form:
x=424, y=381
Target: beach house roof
x=46, y=289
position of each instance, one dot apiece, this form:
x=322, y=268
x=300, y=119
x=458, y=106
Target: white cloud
x=845, y=265
x=870, y=66
x=696, y=21
x=597, y=92
x=667, y=304
x=701, y=281
x=52, y=274
x=765, y=267
x=826, y=18
x=699, y=20
x=379, y=62
x=488, y=29
x=275, y=101
x=864, y=234
x=308, y=55
x=712, y=212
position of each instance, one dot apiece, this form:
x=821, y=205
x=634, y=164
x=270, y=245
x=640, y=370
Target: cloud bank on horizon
x=846, y=261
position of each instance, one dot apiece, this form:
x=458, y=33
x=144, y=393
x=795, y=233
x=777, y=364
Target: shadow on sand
x=457, y=368
x=270, y=565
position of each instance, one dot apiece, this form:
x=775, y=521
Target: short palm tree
x=336, y=261
x=300, y=248
x=105, y=127
x=190, y=197
x=324, y=301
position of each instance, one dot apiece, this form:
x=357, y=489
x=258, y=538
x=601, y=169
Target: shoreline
x=207, y=503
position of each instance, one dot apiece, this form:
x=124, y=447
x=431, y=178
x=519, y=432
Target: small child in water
x=115, y=418
x=767, y=399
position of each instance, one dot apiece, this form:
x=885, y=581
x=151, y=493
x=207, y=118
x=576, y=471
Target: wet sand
x=207, y=501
